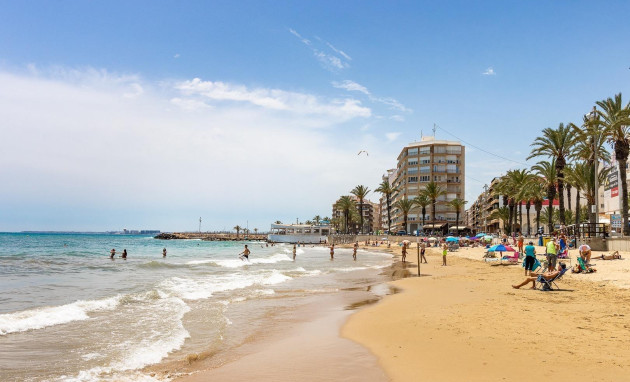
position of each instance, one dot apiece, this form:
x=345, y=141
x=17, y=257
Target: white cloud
x=489, y=72
x=76, y=154
x=350, y=86
x=328, y=61
x=274, y=99
x=397, y=118
x=392, y=136
x=338, y=51
x=176, y=55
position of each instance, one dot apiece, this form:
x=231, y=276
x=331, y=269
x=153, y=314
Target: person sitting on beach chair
x=613, y=256
x=548, y=277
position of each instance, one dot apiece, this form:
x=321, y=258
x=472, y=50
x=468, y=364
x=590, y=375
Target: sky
x=152, y=114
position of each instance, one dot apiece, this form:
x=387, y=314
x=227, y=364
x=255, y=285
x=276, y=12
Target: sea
x=70, y=313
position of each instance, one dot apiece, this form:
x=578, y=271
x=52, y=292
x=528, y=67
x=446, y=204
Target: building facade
x=419, y=163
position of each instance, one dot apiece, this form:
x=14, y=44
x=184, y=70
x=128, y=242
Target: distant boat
x=303, y=233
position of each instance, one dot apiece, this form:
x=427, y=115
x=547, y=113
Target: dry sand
x=464, y=322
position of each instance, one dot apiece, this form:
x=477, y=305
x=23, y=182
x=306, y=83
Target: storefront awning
x=433, y=226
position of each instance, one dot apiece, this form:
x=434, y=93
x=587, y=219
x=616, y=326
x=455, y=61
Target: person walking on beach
x=530, y=258
x=423, y=248
x=112, y=253
x=444, y=252
x=521, y=241
x=404, y=252
x=332, y=252
x=124, y=254
x=164, y=252
x=244, y=254
x=294, y=252
x=354, y=251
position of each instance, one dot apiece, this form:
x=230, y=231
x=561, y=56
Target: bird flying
x=363, y=151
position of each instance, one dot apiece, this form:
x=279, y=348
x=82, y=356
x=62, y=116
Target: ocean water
x=70, y=313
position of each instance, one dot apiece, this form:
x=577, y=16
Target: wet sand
x=306, y=348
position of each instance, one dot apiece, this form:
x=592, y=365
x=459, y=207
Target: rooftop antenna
x=434, y=126
x=421, y=134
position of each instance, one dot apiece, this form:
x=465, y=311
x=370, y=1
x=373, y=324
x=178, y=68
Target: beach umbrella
x=488, y=238
x=451, y=239
x=497, y=248
x=474, y=238
x=481, y=234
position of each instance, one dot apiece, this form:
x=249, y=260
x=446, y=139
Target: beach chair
x=547, y=285
x=511, y=259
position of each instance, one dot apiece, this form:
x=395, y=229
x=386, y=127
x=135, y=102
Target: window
x=412, y=170
x=413, y=151
x=425, y=169
x=425, y=178
x=425, y=160
x=413, y=179
x=439, y=150
x=425, y=150
x=412, y=161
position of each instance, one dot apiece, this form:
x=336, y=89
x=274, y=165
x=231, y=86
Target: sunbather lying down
x=613, y=256
x=547, y=276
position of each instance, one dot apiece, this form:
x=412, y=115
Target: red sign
x=614, y=192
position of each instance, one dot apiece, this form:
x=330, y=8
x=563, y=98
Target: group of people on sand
x=423, y=249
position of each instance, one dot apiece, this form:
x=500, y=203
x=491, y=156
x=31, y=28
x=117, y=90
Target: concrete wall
x=618, y=244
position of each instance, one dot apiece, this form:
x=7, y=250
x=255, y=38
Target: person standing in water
x=354, y=251
x=112, y=253
x=124, y=254
x=294, y=252
x=332, y=251
x=244, y=254
x=164, y=252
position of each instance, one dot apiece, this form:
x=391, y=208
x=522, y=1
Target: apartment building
x=370, y=216
x=419, y=163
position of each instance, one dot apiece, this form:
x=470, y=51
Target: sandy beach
x=465, y=322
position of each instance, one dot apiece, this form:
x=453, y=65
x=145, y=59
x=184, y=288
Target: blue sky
x=151, y=114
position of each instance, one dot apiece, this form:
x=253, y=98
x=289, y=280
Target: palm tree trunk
x=537, y=219
x=529, y=225
x=569, y=197
x=624, y=192
x=389, y=216
x=560, y=172
x=511, y=213
x=577, y=212
x=550, y=217
x=457, y=223
x=361, y=214
x=424, y=212
x=520, y=216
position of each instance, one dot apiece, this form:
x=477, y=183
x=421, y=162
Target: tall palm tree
x=317, y=219
x=386, y=189
x=518, y=180
x=502, y=213
x=526, y=193
x=346, y=205
x=537, y=192
x=404, y=205
x=433, y=191
x=556, y=144
x=422, y=201
x=238, y=229
x=547, y=171
x=457, y=204
x=360, y=192
x=615, y=120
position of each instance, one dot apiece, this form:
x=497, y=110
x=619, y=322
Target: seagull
x=363, y=151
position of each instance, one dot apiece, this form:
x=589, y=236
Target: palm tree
x=404, y=205
x=556, y=144
x=615, y=120
x=238, y=229
x=346, y=205
x=360, y=192
x=433, y=191
x=387, y=190
x=422, y=201
x=537, y=192
x=547, y=171
x=457, y=204
x=277, y=222
x=255, y=231
x=518, y=180
x=502, y=213
x=527, y=194
x=317, y=219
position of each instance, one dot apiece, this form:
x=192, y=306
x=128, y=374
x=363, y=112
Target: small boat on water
x=302, y=233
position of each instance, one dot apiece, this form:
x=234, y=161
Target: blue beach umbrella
x=451, y=239
x=497, y=248
x=480, y=235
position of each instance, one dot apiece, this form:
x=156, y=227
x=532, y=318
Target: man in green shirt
x=552, y=254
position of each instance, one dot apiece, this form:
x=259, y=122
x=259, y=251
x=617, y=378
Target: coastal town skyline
x=141, y=115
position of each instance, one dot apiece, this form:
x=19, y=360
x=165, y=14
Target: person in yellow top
x=444, y=252
x=552, y=254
